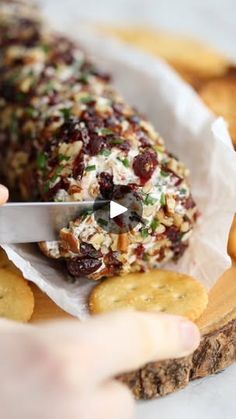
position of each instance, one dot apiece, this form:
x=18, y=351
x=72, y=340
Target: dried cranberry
x=179, y=249
x=87, y=67
x=53, y=98
x=63, y=50
x=112, y=263
x=118, y=108
x=119, y=191
x=190, y=203
x=92, y=120
x=70, y=131
x=62, y=184
x=8, y=91
x=64, y=56
x=161, y=254
x=78, y=166
x=51, y=119
x=124, y=146
x=144, y=141
x=29, y=32
x=119, y=220
x=144, y=165
x=111, y=121
x=173, y=234
x=134, y=217
x=96, y=144
x=134, y=119
x=88, y=250
x=81, y=266
x=140, y=251
x=101, y=74
x=106, y=185
x=178, y=181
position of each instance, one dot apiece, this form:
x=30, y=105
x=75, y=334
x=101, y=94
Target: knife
x=35, y=222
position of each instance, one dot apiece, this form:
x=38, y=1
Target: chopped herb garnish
x=102, y=222
x=42, y=161
x=56, y=175
x=87, y=213
x=86, y=99
x=163, y=199
x=154, y=224
x=106, y=131
x=183, y=191
x=62, y=157
x=144, y=233
x=46, y=48
x=90, y=168
x=53, y=179
x=14, y=77
x=47, y=187
x=117, y=141
x=159, y=149
x=84, y=78
x=164, y=174
x=165, y=161
x=66, y=113
x=14, y=126
x=49, y=86
x=20, y=96
x=125, y=161
x=105, y=152
x=149, y=200
x=30, y=111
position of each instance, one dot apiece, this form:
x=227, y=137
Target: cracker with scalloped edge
x=16, y=296
x=194, y=60
x=6, y=263
x=220, y=96
x=232, y=241
x=159, y=291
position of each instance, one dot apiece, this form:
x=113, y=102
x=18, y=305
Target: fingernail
x=3, y=193
x=190, y=335
x=2, y=187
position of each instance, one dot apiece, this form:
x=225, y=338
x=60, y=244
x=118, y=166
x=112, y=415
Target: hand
x=4, y=194
x=65, y=369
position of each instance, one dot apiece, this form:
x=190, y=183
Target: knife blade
x=35, y=222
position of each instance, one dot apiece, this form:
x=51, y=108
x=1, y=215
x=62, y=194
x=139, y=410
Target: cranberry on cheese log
x=67, y=135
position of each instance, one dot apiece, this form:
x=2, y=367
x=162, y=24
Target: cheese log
x=67, y=135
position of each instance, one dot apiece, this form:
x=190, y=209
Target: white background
x=213, y=21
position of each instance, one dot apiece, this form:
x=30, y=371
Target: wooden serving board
x=216, y=352
x=218, y=323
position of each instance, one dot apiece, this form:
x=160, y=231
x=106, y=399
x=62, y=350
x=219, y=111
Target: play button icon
x=116, y=209
x=121, y=213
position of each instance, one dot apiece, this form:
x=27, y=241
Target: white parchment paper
x=192, y=133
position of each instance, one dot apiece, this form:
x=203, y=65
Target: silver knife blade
x=35, y=222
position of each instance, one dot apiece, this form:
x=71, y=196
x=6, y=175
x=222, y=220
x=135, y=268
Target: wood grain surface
x=45, y=309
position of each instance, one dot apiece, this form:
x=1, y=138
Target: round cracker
x=232, y=241
x=159, y=291
x=6, y=263
x=16, y=297
x=220, y=96
x=192, y=59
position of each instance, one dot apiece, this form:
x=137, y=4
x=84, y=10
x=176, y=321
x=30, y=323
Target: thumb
x=4, y=194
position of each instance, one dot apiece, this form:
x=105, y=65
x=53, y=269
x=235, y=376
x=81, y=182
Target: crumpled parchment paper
x=193, y=134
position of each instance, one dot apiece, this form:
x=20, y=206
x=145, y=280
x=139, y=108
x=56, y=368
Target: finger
x=112, y=401
x=117, y=342
x=4, y=194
